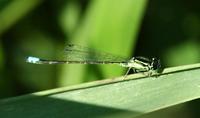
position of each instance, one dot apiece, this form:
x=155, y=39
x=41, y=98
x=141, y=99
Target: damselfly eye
x=156, y=64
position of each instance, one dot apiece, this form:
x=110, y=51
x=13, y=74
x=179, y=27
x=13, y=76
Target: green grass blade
x=14, y=11
x=109, y=27
x=137, y=95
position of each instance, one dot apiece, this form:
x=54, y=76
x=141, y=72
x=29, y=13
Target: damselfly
x=75, y=54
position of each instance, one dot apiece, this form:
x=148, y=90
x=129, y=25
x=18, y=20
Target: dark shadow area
x=194, y=108
x=46, y=107
x=166, y=24
x=185, y=110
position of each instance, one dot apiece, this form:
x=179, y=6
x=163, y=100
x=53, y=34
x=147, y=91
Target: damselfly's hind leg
x=127, y=72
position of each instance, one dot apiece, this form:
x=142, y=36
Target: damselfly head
x=155, y=64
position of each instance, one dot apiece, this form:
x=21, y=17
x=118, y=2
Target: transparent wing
x=79, y=53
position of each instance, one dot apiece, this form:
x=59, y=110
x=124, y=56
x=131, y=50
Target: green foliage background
x=166, y=29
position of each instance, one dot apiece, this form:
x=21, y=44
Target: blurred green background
x=168, y=29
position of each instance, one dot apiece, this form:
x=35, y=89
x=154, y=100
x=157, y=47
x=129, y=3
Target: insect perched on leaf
x=75, y=54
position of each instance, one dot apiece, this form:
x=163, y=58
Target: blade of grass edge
x=134, y=96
